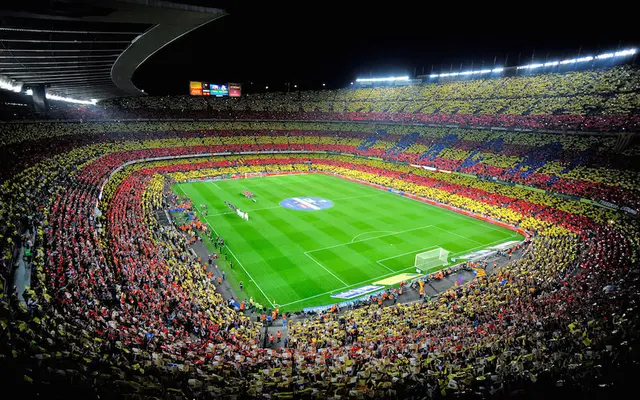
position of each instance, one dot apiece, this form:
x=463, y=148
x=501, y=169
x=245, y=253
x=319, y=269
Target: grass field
x=300, y=258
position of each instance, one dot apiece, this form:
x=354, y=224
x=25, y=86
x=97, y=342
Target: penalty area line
x=386, y=275
x=375, y=237
x=344, y=287
x=323, y=267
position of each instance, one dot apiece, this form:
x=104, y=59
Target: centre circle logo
x=306, y=203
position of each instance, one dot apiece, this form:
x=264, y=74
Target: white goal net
x=431, y=260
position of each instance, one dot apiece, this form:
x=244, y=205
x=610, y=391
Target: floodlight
x=622, y=53
x=52, y=96
x=390, y=79
x=55, y=97
x=10, y=84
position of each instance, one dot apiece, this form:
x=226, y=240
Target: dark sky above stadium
x=308, y=44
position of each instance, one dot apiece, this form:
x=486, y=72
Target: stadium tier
x=594, y=100
x=111, y=218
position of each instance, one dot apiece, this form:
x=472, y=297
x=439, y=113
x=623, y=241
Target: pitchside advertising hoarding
x=197, y=88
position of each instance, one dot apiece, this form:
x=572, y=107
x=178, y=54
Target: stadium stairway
x=22, y=279
x=163, y=217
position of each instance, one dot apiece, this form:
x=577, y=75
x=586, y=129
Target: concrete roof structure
x=87, y=49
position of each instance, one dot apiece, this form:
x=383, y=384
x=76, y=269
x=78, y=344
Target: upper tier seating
x=596, y=100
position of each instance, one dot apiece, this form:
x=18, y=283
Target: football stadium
x=455, y=233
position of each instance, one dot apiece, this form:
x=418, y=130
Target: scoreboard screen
x=235, y=89
x=197, y=88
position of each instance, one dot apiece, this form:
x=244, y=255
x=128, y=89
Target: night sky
x=271, y=44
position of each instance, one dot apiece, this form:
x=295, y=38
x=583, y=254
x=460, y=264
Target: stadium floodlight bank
x=389, y=79
x=432, y=260
x=534, y=66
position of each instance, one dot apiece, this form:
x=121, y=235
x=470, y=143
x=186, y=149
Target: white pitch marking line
x=386, y=275
x=323, y=267
x=365, y=233
x=233, y=212
x=234, y=256
x=313, y=297
x=384, y=266
x=457, y=215
x=460, y=236
x=364, y=240
x=279, y=206
x=345, y=287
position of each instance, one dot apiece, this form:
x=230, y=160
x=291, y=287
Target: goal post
x=432, y=260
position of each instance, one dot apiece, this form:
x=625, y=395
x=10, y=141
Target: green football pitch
x=299, y=258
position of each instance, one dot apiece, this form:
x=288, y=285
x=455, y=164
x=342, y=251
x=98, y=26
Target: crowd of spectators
x=568, y=164
x=118, y=305
x=598, y=100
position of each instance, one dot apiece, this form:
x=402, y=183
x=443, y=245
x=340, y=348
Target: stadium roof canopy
x=87, y=49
